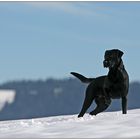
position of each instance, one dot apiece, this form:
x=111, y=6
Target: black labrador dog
x=102, y=89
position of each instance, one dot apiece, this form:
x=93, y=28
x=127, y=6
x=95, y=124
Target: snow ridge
x=105, y=125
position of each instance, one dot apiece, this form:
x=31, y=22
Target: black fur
x=102, y=89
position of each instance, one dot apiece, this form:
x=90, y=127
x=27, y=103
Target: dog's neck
x=113, y=71
x=120, y=66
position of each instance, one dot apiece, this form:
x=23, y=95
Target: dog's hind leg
x=86, y=105
x=101, y=106
x=87, y=102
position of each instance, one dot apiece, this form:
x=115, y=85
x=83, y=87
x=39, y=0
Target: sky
x=40, y=40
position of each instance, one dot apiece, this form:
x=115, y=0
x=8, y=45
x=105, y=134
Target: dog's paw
x=79, y=116
x=93, y=113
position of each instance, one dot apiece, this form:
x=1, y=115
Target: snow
x=6, y=96
x=105, y=125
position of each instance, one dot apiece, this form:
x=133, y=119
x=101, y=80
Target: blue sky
x=39, y=40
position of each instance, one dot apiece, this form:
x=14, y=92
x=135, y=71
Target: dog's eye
x=111, y=57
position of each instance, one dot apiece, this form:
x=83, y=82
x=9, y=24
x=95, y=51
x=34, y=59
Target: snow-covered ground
x=105, y=125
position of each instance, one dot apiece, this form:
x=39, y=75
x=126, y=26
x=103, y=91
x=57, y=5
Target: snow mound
x=105, y=125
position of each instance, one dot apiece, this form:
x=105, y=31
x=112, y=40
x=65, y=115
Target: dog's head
x=112, y=58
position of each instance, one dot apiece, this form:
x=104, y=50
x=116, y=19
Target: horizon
x=42, y=40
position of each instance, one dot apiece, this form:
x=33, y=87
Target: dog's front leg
x=124, y=105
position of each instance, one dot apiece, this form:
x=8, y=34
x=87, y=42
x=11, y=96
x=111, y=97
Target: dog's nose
x=105, y=63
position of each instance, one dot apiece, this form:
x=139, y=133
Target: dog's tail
x=82, y=78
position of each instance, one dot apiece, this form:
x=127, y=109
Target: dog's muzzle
x=106, y=63
x=109, y=64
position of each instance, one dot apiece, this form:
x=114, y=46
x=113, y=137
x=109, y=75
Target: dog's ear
x=120, y=53
x=106, y=53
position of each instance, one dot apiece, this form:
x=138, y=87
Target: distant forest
x=55, y=97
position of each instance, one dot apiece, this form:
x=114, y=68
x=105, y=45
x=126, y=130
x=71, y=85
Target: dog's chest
x=115, y=83
x=116, y=76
